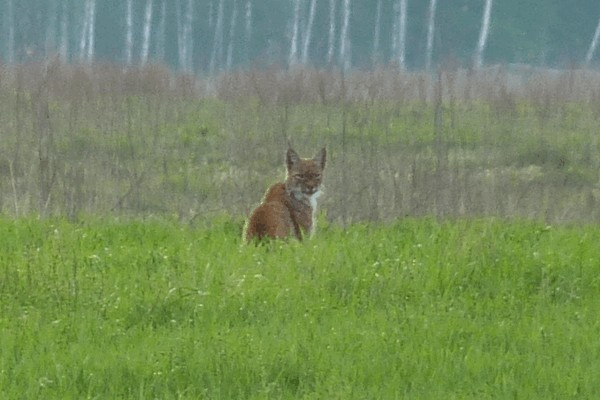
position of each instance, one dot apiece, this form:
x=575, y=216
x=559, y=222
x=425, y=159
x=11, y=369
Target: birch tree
x=248, y=29
x=248, y=19
x=160, y=32
x=308, y=31
x=483, y=34
x=83, y=33
x=345, y=37
x=64, y=31
x=331, y=39
x=217, y=51
x=402, y=34
x=185, y=41
x=146, y=33
x=593, y=45
x=377, y=32
x=91, y=34
x=430, y=34
x=293, y=60
x=129, y=32
x=189, y=38
x=86, y=39
x=11, y=32
x=51, y=32
x=230, y=45
x=180, y=38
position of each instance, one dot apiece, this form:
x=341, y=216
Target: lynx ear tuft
x=321, y=157
x=292, y=158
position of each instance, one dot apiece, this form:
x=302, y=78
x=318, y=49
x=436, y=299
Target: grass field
x=415, y=309
x=103, y=140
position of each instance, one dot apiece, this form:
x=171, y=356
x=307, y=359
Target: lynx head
x=304, y=176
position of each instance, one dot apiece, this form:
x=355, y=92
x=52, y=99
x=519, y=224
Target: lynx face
x=304, y=176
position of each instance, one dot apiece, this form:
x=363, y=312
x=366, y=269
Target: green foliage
x=118, y=308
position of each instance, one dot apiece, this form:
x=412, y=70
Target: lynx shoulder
x=288, y=208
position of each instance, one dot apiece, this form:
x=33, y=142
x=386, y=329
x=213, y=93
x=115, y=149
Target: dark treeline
x=207, y=36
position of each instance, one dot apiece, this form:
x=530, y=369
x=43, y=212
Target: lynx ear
x=292, y=158
x=320, y=158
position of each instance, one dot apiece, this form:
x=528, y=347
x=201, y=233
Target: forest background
x=207, y=36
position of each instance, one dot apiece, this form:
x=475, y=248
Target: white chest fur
x=313, y=204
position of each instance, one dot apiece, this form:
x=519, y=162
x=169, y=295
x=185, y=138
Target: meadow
x=478, y=308
x=99, y=139
x=456, y=254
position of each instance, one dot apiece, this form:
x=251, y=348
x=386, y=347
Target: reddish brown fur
x=287, y=207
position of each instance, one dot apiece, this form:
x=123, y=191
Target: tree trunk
x=180, y=42
x=345, y=58
x=402, y=35
x=377, y=34
x=11, y=32
x=331, y=40
x=593, y=45
x=232, y=35
x=160, y=32
x=91, y=34
x=147, y=32
x=217, y=52
x=83, y=37
x=129, y=33
x=51, y=31
x=430, y=34
x=189, y=38
x=308, y=31
x=248, y=30
x=483, y=34
x=295, y=34
x=64, y=32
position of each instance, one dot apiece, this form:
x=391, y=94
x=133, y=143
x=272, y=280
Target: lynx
x=288, y=208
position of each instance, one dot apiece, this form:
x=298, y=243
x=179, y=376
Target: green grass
x=109, y=308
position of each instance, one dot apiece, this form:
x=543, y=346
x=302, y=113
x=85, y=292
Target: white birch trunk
x=11, y=33
x=160, y=32
x=593, y=45
x=430, y=34
x=248, y=30
x=248, y=21
x=345, y=37
x=147, y=32
x=232, y=25
x=64, y=32
x=295, y=34
x=91, y=31
x=184, y=36
x=308, y=31
x=129, y=32
x=189, y=38
x=483, y=34
x=377, y=33
x=83, y=37
x=402, y=35
x=217, y=51
x=331, y=39
x=395, y=30
x=180, y=42
x=51, y=31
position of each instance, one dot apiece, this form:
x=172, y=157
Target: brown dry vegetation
x=101, y=140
